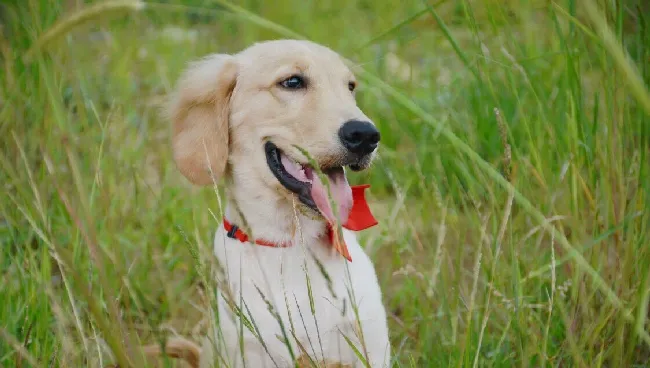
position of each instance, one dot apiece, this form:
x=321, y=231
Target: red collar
x=360, y=218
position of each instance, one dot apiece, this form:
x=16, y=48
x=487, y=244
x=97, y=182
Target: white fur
x=281, y=274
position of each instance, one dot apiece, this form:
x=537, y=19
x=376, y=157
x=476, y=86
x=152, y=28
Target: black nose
x=360, y=137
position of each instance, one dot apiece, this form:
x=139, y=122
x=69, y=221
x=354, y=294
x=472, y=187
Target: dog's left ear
x=200, y=114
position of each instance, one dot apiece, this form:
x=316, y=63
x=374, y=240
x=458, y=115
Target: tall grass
x=512, y=187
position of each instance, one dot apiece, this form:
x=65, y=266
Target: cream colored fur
x=225, y=109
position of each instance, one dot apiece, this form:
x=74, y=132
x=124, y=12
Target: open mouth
x=303, y=180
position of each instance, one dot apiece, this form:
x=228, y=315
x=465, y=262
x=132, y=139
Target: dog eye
x=352, y=86
x=293, y=82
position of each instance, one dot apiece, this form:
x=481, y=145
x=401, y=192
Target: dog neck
x=285, y=226
x=273, y=218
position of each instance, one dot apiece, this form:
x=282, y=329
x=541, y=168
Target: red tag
x=360, y=217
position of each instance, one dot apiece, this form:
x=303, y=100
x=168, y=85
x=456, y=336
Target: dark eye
x=352, y=86
x=293, y=82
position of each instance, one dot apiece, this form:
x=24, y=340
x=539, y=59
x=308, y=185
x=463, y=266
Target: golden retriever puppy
x=279, y=123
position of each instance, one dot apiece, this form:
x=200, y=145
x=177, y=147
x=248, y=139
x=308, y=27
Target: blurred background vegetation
x=513, y=181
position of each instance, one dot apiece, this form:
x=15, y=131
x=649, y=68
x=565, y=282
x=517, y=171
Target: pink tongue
x=341, y=196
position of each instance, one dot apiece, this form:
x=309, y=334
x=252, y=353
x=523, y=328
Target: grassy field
x=513, y=185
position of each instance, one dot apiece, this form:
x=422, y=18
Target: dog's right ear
x=199, y=113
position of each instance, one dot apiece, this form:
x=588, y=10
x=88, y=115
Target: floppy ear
x=199, y=113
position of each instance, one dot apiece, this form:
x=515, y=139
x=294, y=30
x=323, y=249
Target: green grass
x=513, y=185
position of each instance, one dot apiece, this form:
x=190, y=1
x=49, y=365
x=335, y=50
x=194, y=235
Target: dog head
x=265, y=117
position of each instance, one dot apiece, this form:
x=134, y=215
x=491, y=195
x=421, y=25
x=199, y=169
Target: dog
x=279, y=123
